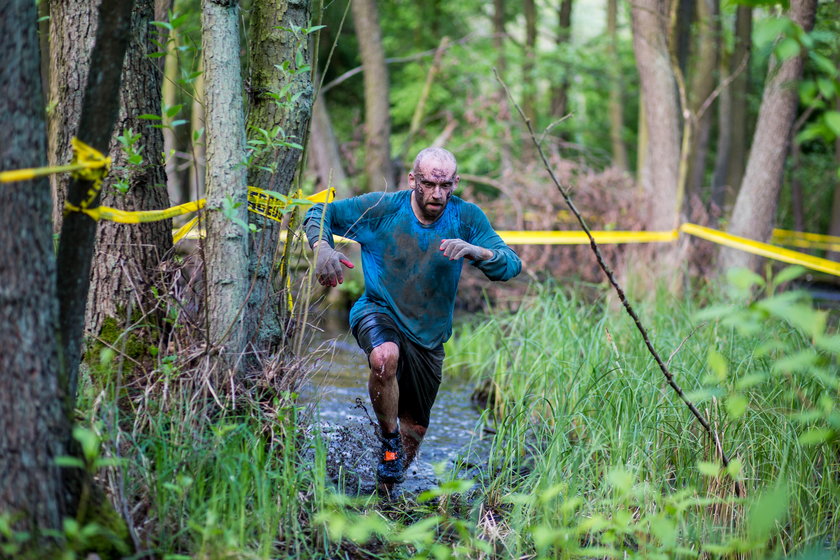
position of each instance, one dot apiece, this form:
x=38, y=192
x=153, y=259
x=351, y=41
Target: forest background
x=652, y=113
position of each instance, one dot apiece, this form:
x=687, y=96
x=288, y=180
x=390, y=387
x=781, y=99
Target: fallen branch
x=608, y=271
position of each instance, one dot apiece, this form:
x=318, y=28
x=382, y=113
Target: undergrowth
x=592, y=454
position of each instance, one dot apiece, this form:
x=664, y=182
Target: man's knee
x=383, y=360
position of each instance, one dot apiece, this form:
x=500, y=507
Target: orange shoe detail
x=390, y=456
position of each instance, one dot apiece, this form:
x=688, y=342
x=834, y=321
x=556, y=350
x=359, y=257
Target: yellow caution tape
x=580, y=238
x=709, y=234
x=806, y=240
x=762, y=249
x=88, y=163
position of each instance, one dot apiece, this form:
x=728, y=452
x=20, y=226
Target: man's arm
x=318, y=225
x=501, y=262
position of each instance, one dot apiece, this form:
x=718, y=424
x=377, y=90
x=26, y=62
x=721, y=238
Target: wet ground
x=337, y=395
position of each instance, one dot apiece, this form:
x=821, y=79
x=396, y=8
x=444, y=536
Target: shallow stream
x=334, y=392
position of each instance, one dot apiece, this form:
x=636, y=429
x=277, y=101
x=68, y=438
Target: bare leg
x=412, y=434
x=382, y=385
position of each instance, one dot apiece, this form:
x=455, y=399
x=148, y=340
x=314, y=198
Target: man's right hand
x=328, y=263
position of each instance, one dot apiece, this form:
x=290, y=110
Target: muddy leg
x=382, y=385
x=412, y=434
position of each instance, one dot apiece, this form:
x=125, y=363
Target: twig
x=611, y=277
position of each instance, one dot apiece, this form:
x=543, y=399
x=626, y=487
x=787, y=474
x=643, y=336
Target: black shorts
x=418, y=369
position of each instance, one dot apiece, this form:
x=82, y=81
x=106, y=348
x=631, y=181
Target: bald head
x=435, y=157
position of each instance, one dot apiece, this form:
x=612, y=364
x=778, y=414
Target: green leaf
x=787, y=274
x=73, y=462
x=149, y=117
x=825, y=64
x=829, y=343
x=89, y=442
x=765, y=511
x=422, y=532
x=789, y=307
x=816, y=436
x=734, y=468
x=750, y=380
x=718, y=365
x=708, y=469
x=621, y=479
x=744, y=279
x=828, y=88
x=736, y=405
x=803, y=360
x=787, y=48
x=832, y=120
x=767, y=30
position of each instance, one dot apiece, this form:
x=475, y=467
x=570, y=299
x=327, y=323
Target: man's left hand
x=458, y=248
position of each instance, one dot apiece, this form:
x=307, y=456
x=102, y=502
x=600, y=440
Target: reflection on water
x=341, y=378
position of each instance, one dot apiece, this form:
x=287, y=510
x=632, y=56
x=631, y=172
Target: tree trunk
x=30, y=394
x=616, y=104
x=724, y=138
x=560, y=91
x=834, y=225
x=755, y=208
x=700, y=91
x=274, y=43
x=378, y=167
x=198, y=139
x=72, y=33
x=324, y=157
x=127, y=258
x=499, y=40
x=739, y=88
x=529, y=80
x=226, y=245
x=661, y=111
x=169, y=92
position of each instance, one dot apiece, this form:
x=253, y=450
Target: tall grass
x=587, y=429
x=592, y=454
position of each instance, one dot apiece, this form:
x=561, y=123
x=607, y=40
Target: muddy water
x=337, y=395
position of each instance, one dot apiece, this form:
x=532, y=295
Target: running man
x=413, y=248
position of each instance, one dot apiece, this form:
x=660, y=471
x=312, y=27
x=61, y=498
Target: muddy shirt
x=406, y=275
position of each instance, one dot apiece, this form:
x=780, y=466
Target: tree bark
x=31, y=397
x=226, y=243
x=72, y=33
x=378, y=167
x=274, y=42
x=169, y=91
x=198, y=138
x=739, y=143
x=324, y=157
x=754, y=213
x=616, y=104
x=661, y=112
x=127, y=257
x=702, y=86
x=529, y=85
x=560, y=91
x=834, y=225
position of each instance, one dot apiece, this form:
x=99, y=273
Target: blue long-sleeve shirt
x=406, y=274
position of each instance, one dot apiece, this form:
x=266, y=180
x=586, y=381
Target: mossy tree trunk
x=754, y=214
x=226, y=243
x=128, y=256
x=281, y=98
x=31, y=397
